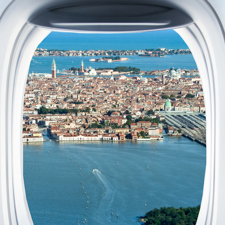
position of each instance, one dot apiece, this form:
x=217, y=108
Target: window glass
x=113, y=127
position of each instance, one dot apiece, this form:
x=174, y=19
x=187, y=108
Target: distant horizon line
x=152, y=49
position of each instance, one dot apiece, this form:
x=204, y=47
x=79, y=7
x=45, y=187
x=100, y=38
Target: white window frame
x=19, y=39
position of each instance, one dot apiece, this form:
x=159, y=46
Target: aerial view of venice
x=114, y=130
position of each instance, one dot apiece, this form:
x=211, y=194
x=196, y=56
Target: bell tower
x=53, y=69
x=82, y=66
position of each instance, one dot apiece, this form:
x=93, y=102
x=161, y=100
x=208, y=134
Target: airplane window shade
x=112, y=17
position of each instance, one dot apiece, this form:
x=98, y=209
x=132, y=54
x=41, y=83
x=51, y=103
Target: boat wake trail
x=107, y=196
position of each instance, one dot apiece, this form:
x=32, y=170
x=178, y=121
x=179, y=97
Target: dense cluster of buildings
x=147, y=52
x=100, y=108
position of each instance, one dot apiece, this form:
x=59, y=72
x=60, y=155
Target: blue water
x=43, y=64
x=127, y=41
x=121, y=181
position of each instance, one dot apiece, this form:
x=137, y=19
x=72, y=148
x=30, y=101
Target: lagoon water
x=72, y=41
x=122, y=41
x=43, y=64
x=122, y=177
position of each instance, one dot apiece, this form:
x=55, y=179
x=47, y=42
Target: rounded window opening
x=114, y=127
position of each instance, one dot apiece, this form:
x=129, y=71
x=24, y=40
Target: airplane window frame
x=17, y=47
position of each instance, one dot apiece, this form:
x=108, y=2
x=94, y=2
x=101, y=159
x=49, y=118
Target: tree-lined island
x=109, y=59
x=171, y=216
x=119, y=69
x=159, y=52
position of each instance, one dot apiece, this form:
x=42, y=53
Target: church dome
x=168, y=103
x=172, y=72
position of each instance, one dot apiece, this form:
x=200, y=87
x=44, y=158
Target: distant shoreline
x=160, y=52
